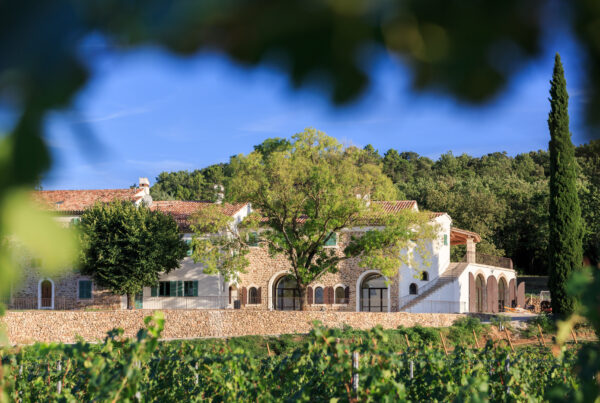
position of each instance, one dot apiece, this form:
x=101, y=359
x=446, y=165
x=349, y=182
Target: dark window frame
x=339, y=300
x=253, y=296
x=79, y=289
x=322, y=296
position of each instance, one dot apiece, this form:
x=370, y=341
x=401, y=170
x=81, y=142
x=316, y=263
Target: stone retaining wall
x=54, y=326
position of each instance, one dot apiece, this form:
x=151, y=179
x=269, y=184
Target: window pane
x=253, y=239
x=190, y=248
x=332, y=240
x=85, y=289
x=340, y=295
x=188, y=289
x=318, y=295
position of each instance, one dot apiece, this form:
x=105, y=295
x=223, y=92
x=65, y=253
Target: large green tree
x=303, y=195
x=565, y=227
x=125, y=248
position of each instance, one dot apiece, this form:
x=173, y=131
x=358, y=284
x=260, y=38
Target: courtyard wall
x=64, y=326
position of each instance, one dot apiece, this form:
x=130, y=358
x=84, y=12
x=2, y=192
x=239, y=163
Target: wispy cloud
x=161, y=164
x=116, y=115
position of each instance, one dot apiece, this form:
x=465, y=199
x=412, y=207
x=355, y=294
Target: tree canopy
x=125, y=248
x=503, y=198
x=304, y=194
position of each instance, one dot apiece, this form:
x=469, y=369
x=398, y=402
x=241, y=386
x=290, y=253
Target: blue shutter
x=195, y=289
x=172, y=288
x=85, y=289
x=180, y=288
x=253, y=239
x=154, y=291
x=332, y=240
x=190, y=247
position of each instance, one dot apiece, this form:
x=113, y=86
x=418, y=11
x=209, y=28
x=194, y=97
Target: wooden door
x=46, y=294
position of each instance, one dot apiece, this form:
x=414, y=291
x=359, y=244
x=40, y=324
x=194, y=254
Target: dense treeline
x=503, y=198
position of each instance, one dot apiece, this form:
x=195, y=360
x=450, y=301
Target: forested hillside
x=503, y=198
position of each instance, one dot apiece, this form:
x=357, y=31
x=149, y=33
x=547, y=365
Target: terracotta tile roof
x=381, y=208
x=181, y=211
x=394, y=206
x=78, y=200
x=438, y=214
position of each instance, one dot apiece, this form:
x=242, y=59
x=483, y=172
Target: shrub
x=461, y=331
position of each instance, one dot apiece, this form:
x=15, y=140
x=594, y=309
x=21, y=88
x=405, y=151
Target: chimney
x=471, y=251
x=219, y=189
x=145, y=185
x=366, y=198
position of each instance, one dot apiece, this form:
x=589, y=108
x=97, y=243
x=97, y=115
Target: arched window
x=374, y=294
x=319, y=295
x=46, y=294
x=287, y=297
x=424, y=276
x=340, y=295
x=253, y=296
x=412, y=289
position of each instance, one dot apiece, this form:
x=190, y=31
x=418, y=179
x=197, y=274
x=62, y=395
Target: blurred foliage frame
x=455, y=47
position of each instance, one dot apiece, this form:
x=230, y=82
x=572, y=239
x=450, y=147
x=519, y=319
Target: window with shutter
x=85, y=289
x=253, y=296
x=167, y=288
x=340, y=295
x=319, y=298
x=190, y=289
x=190, y=247
x=329, y=295
x=253, y=239
x=332, y=240
x=244, y=295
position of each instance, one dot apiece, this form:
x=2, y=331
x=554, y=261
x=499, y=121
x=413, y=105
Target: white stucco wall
x=486, y=271
x=436, y=263
x=213, y=291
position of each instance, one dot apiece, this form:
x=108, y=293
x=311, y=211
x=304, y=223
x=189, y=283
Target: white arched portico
x=45, y=294
x=359, y=291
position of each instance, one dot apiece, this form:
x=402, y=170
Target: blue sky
x=145, y=112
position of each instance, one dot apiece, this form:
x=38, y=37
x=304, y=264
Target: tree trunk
x=302, y=294
x=130, y=301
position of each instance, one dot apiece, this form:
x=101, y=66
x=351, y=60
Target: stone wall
x=64, y=326
x=25, y=292
x=264, y=271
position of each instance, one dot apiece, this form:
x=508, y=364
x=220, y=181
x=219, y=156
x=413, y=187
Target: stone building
x=479, y=284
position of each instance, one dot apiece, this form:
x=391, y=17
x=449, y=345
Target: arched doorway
x=481, y=303
x=502, y=288
x=374, y=294
x=46, y=294
x=287, y=297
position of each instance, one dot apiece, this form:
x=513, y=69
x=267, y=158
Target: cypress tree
x=565, y=248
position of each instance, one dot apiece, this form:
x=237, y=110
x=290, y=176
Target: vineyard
x=317, y=367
